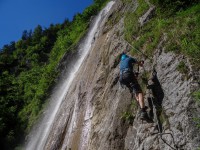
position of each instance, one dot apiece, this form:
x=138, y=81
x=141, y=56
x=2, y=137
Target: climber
x=129, y=79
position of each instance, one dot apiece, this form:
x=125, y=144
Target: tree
x=25, y=35
x=37, y=34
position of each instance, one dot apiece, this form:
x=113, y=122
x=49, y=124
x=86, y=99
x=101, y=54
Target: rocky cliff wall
x=94, y=115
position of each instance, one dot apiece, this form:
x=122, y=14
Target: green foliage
x=184, y=34
x=196, y=95
x=113, y=19
x=171, y=6
x=182, y=68
x=197, y=122
x=143, y=38
x=128, y=115
x=161, y=116
x=134, y=104
x=150, y=35
x=181, y=28
x=132, y=26
x=180, y=21
x=28, y=71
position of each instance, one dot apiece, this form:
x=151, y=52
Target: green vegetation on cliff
x=27, y=72
x=178, y=20
x=27, y=67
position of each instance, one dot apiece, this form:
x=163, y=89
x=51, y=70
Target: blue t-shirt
x=127, y=63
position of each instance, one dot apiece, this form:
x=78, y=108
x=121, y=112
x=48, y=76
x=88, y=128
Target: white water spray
x=40, y=134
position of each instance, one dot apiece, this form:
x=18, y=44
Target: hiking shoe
x=144, y=116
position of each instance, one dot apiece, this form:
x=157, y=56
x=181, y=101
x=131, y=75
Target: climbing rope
x=136, y=49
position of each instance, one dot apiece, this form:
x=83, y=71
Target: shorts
x=128, y=79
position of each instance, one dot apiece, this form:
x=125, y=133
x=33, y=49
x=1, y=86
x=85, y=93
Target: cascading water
x=41, y=133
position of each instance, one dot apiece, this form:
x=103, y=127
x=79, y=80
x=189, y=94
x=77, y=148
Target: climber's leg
x=140, y=98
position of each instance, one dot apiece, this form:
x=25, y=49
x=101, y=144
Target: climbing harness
x=138, y=71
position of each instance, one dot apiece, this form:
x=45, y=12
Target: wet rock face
x=173, y=95
x=95, y=105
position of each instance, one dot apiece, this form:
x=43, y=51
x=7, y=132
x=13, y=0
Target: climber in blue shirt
x=128, y=78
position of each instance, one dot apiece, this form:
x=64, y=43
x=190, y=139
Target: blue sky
x=19, y=15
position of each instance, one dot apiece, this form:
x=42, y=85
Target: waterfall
x=39, y=135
